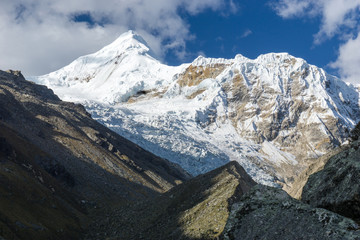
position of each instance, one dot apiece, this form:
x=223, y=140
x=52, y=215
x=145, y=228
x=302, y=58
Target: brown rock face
x=194, y=75
x=295, y=189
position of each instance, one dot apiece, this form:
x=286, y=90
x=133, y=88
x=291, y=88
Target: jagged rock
x=270, y=213
x=355, y=133
x=337, y=186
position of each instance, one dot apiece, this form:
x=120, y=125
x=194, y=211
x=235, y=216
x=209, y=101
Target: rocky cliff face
x=295, y=189
x=58, y=165
x=279, y=102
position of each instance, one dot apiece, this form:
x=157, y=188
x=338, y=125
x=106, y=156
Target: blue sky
x=41, y=36
x=256, y=29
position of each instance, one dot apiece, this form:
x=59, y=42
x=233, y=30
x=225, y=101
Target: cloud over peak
x=56, y=32
x=339, y=18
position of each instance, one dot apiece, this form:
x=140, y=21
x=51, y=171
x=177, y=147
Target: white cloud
x=339, y=18
x=41, y=36
x=348, y=61
x=334, y=13
x=247, y=33
x=291, y=8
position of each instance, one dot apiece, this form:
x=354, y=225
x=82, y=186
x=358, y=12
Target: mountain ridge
x=262, y=112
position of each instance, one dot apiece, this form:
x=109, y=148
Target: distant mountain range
x=273, y=114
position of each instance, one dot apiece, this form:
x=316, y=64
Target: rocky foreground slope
x=198, y=209
x=227, y=204
x=261, y=112
x=57, y=164
x=224, y=204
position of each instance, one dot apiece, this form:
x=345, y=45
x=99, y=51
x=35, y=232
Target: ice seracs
x=272, y=114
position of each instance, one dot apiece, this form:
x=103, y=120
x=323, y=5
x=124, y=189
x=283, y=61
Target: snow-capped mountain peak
x=129, y=43
x=272, y=114
x=112, y=74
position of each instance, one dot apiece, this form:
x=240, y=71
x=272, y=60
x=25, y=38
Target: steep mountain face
x=296, y=188
x=59, y=168
x=273, y=114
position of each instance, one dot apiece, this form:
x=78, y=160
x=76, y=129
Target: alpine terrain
x=274, y=114
x=64, y=175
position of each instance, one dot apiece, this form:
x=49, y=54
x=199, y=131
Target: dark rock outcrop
x=270, y=213
x=337, y=186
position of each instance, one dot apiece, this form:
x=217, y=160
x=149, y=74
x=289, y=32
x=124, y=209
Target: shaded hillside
x=56, y=162
x=355, y=133
x=33, y=204
x=197, y=209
